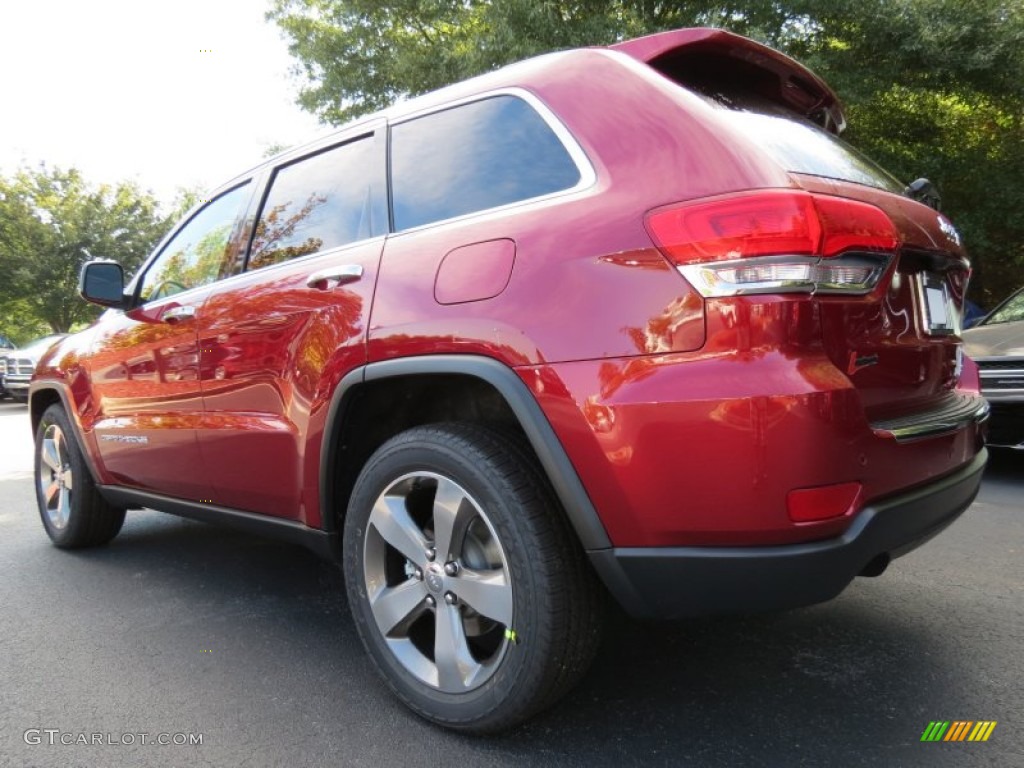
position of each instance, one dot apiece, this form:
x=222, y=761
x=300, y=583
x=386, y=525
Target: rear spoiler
x=708, y=59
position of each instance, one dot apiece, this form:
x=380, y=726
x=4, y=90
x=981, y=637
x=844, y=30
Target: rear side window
x=473, y=157
x=320, y=202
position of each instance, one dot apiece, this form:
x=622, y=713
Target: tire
x=527, y=612
x=73, y=512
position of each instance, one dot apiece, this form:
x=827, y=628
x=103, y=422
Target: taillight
x=776, y=241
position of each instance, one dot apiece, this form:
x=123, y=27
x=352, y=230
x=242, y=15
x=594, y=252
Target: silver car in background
x=997, y=345
x=5, y=344
x=20, y=364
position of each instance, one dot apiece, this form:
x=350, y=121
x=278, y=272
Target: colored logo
x=958, y=730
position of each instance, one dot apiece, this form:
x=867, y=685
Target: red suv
x=627, y=321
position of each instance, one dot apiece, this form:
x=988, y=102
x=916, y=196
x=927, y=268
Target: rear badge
x=949, y=230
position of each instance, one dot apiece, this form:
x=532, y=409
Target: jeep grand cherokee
x=627, y=321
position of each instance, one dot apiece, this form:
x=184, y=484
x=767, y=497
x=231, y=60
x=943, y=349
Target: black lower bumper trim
x=678, y=582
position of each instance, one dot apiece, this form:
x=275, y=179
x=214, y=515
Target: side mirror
x=102, y=282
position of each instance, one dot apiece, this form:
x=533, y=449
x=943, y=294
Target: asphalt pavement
x=183, y=632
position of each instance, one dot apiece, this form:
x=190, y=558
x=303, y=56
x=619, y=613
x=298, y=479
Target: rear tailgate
x=899, y=344
x=901, y=347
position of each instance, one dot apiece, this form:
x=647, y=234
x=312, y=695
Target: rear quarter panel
x=587, y=281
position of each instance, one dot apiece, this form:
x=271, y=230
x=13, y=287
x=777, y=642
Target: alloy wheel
x=438, y=582
x=56, y=480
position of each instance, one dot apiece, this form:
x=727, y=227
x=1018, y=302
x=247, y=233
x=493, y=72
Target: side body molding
x=555, y=462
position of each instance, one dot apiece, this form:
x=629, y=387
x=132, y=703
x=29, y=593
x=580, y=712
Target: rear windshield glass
x=802, y=147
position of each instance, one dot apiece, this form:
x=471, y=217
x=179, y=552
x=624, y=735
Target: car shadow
x=829, y=683
x=1006, y=465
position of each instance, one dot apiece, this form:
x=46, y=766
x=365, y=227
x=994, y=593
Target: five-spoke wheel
x=467, y=587
x=438, y=582
x=55, y=477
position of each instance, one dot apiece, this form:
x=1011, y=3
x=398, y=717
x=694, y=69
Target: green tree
x=371, y=52
x=19, y=324
x=933, y=87
x=51, y=221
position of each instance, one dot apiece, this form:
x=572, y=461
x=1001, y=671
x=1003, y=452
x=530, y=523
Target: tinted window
x=473, y=157
x=319, y=202
x=197, y=254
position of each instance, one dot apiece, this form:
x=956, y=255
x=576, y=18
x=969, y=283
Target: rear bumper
x=675, y=582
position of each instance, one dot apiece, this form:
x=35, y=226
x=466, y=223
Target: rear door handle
x=332, y=277
x=177, y=314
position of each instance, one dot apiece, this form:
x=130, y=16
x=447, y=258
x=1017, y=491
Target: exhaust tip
x=877, y=565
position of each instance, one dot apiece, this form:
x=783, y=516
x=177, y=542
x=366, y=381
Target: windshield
x=1009, y=312
x=800, y=146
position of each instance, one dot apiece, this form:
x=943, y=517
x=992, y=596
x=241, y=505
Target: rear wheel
x=71, y=507
x=466, y=585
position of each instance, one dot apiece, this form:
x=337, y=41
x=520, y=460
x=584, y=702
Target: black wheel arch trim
x=72, y=414
x=553, y=458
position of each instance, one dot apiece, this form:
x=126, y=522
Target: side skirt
x=325, y=544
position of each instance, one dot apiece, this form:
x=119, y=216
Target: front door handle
x=332, y=277
x=177, y=314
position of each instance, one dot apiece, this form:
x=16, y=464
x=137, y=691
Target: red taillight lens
x=851, y=225
x=776, y=240
x=766, y=224
x=773, y=222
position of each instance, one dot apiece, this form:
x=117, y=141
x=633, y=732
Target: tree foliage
x=933, y=87
x=51, y=222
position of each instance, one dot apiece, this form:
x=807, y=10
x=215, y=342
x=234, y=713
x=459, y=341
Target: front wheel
x=73, y=512
x=467, y=588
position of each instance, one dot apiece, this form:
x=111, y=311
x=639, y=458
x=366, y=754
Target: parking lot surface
x=179, y=629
